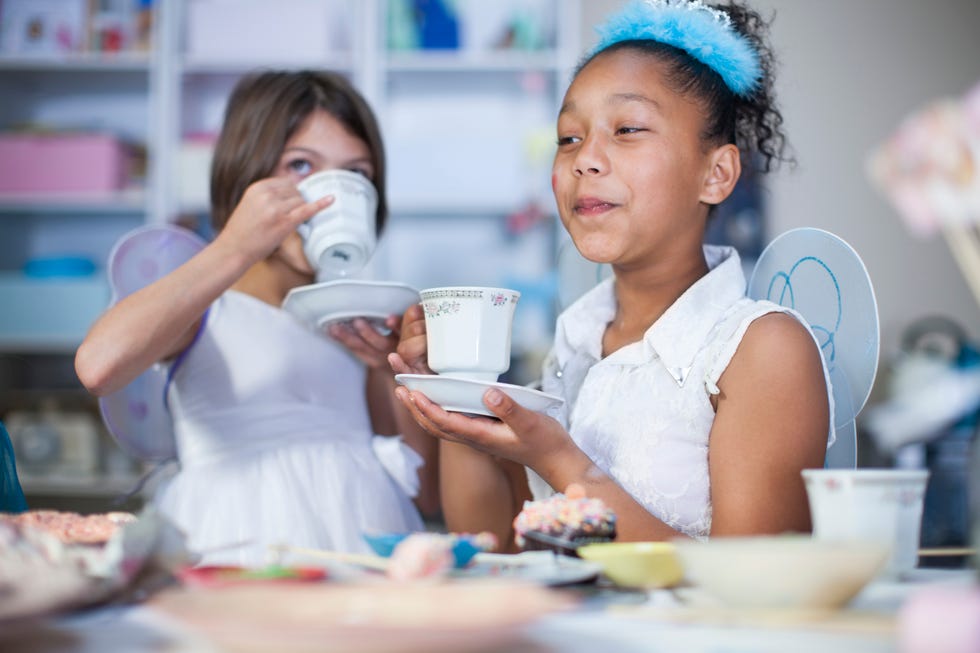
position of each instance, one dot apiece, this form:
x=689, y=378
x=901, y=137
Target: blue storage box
x=48, y=314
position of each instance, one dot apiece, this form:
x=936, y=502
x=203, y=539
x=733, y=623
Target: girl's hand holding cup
x=270, y=210
x=412, y=356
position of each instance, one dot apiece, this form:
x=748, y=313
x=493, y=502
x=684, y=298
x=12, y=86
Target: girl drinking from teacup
x=689, y=408
x=273, y=422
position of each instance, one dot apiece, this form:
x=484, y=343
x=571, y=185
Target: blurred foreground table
x=607, y=618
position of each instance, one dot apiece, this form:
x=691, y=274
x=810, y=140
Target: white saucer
x=466, y=396
x=541, y=567
x=333, y=301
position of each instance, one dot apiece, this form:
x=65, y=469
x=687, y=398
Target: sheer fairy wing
x=137, y=416
x=821, y=277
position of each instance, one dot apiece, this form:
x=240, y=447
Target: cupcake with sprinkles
x=564, y=522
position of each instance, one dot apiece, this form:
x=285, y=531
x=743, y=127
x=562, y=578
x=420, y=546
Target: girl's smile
x=593, y=206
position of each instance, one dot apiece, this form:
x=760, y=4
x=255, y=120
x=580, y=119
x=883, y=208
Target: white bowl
x=785, y=571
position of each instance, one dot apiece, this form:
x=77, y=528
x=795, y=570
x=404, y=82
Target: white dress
x=275, y=442
x=643, y=414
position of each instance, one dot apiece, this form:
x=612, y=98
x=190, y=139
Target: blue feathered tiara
x=701, y=31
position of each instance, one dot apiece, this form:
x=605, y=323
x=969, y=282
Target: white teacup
x=468, y=330
x=881, y=505
x=339, y=240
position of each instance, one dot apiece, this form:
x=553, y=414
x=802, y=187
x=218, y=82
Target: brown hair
x=264, y=111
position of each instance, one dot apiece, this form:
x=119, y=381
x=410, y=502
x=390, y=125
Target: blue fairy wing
x=823, y=279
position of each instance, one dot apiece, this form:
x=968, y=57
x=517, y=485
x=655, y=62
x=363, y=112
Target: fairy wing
x=822, y=278
x=136, y=415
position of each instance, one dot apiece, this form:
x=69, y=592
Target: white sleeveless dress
x=643, y=414
x=275, y=443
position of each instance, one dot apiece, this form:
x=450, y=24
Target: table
x=606, y=620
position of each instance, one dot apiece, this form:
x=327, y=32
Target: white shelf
x=78, y=486
x=437, y=208
x=82, y=61
x=192, y=65
x=38, y=345
x=437, y=61
x=123, y=202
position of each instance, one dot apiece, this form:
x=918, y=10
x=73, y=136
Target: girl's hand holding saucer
x=519, y=434
x=363, y=339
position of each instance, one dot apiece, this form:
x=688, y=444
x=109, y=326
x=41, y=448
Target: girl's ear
x=725, y=168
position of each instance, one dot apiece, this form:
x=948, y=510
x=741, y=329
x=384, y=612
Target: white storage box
x=287, y=31
x=193, y=173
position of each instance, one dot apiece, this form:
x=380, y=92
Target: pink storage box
x=61, y=163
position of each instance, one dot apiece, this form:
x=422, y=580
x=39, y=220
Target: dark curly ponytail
x=758, y=122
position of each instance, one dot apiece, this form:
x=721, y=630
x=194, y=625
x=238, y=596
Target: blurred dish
x=538, y=567
x=320, y=304
x=46, y=570
x=368, y=618
x=785, y=571
x=636, y=564
x=222, y=576
x=466, y=395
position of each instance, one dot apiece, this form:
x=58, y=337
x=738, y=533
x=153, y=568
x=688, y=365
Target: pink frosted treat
x=564, y=522
x=421, y=555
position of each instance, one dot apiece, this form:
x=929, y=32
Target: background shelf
x=468, y=133
x=128, y=201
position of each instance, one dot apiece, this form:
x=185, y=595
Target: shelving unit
x=92, y=92
x=159, y=97
x=468, y=134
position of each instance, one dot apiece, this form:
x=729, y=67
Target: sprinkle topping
x=571, y=514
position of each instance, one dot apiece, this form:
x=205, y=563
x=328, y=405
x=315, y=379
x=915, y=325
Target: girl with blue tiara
x=690, y=409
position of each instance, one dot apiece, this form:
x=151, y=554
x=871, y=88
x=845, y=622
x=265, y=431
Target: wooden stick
x=964, y=243
x=947, y=551
x=360, y=559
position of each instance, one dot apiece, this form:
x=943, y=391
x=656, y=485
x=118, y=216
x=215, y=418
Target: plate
x=539, y=567
x=320, y=304
x=466, y=395
x=485, y=614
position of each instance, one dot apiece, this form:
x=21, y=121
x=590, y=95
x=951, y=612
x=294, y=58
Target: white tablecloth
x=605, y=622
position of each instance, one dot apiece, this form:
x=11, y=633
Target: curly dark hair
x=753, y=123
